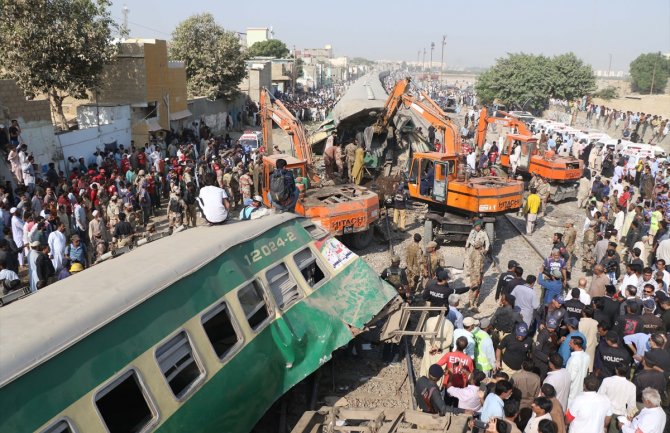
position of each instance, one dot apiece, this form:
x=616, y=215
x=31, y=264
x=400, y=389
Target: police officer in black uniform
x=610, y=354
x=437, y=290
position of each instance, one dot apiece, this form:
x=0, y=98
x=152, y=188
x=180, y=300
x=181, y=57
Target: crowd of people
x=313, y=105
x=637, y=126
x=57, y=223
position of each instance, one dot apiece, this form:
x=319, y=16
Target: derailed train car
x=201, y=331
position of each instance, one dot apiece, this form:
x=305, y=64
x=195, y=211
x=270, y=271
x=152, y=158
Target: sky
x=477, y=32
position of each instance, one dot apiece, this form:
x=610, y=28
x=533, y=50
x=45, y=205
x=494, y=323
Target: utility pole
x=444, y=42
x=418, y=59
x=295, y=69
x=609, y=68
x=653, y=74
x=432, y=47
x=424, y=60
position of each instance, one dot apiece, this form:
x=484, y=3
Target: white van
x=251, y=139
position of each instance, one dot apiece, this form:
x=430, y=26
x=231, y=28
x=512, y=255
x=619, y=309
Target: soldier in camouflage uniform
x=544, y=192
x=588, y=246
x=475, y=259
x=432, y=262
x=413, y=257
x=476, y=235
x=397, y=277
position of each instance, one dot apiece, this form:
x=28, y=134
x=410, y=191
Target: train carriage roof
x=38, y=327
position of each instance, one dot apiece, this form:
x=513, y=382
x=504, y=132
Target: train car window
x=178, y=364
x=220, y=330
x=123, y=405
x=254, y=305
x=62, y=426
x=283, y=286
x=309, y=267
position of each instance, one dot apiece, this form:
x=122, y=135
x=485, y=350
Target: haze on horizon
x=477, y=32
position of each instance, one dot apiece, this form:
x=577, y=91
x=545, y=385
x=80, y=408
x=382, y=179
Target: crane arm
x=508, y=121
x=391, y=106
x=452, y=139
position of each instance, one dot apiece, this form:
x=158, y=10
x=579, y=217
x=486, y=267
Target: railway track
x=522, y=235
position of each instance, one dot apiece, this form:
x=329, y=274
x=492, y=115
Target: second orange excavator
x=348, y=209
x=520, y=154
x=440, y=179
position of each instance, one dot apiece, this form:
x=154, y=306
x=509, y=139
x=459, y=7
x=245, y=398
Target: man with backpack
x=397, y=277
x=283, y=194
x=176, y=208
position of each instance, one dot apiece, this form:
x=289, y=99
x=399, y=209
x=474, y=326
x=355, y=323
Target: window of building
x=283, y=286
x=253, y=303
x=62, y=426
x=309, y=267
x=177, y=363
x=123, y=405
x=220, y=330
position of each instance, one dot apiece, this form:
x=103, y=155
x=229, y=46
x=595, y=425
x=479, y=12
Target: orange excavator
x=440, y=178
x=562, y=172
x=347, y=209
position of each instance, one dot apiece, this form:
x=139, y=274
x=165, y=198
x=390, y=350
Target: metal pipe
x=411, y=379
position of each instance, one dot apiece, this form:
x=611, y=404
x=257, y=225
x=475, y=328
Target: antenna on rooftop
x=272, y=33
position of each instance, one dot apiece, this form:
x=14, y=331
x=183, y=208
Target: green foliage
x=528, y=81
x=642, y=73
x=607, y=93
x=270, y=48
x=57, y=47
x=213, y=56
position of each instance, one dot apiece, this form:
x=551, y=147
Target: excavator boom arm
x=436, y=117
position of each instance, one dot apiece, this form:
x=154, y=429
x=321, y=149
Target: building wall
x=89, y=116
x=158, y=85
x=124, y=81
x=177, y=86
x=257, y=35
x=259, y=76
x=214, y=113
x=34, y=117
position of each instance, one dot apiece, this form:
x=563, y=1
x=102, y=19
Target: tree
x=56, y=47
x=213, y=57
x=647, y=69
x=527, y=81
x=270, y=48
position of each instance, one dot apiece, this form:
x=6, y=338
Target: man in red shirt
x=458, y=365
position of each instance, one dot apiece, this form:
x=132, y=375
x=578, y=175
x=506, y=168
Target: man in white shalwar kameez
x=57, y=244
x=17, y=233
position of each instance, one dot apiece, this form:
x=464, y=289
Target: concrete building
x=257, y=34
x=259, y=75
x=34, y=118
x=322, y=53
x=154, y=87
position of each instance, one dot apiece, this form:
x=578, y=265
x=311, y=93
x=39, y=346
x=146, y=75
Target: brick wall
x=13, y=105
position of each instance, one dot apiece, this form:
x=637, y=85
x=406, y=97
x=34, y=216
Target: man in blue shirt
x=553, y=284
x=573, y=331
x=76, y=251
x=494, y=403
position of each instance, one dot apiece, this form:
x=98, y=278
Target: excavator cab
x=528, y=149
x=429, y=177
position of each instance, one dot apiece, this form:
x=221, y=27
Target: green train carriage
x=201, y=331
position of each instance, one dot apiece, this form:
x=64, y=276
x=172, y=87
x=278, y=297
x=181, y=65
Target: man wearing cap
x=649, y=376
x=588, y=246
x=505, y=278
x=650, y=322
x=513, y=350
x=413, y=259
x=485, y=357
x=476, y=248
x=432, y=262
x=396, y=276
x=573, y=331
x=546, y=343
x=427, y=394
x=255, y=209
x=176, y=207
